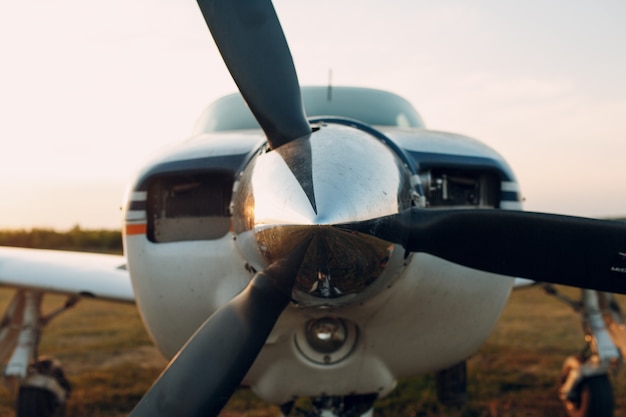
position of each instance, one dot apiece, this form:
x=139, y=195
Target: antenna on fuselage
x=329, y=91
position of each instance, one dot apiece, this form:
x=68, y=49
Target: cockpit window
x=374, y=107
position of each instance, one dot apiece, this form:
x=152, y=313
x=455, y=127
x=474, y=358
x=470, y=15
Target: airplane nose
x=336, y=175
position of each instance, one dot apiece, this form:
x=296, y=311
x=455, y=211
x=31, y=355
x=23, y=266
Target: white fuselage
x=430, y=315
x=434, y=315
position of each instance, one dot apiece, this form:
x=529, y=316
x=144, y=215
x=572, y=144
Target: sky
x=90, y=90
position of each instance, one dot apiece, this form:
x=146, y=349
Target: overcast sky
x=89, y=90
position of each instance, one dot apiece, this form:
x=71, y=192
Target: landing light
x=326, y=335
x=326, y=340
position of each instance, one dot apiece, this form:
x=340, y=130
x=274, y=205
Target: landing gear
x=452, y=385
x=584, y=387
x=348, y=406
x=42, y=388
x=589, y=396
x=44, y=391
x=36, y=402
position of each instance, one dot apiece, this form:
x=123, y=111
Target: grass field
x=111, y=362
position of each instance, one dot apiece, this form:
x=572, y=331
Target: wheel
x=452, y=385
x=37, y=402
x=592, y=397
x=44, y=391
x=359, y=405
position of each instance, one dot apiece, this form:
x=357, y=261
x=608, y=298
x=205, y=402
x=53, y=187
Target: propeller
x=543, y=247
x=208, y=369
x=251, y=41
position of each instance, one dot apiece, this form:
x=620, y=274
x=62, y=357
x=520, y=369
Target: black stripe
x=428, y=160
x=510, y=196
x=227, y=163
x=137, y=205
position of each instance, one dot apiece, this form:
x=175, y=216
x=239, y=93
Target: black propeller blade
x=544, y=247
x=206, y=371
x=251, y=41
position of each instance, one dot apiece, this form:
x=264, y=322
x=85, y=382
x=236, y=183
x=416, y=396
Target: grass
x=111, y=362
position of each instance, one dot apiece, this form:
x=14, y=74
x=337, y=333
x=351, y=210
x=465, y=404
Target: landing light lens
x=326, y=335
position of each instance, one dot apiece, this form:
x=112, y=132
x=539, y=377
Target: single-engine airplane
x=320, y=256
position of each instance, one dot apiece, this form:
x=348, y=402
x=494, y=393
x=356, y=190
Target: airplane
x=320, y=253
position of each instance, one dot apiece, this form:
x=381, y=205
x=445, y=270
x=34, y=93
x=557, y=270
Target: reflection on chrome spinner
x=293, y=192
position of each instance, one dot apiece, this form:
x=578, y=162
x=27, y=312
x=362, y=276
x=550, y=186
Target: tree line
x=76, y=239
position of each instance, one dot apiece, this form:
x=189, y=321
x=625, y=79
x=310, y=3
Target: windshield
x=374, y=107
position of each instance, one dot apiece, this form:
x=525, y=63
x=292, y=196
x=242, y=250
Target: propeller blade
x=543, y=247
x=253, y=46
x=208, y=369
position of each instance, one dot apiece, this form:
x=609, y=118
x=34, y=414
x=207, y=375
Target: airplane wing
x=74, y=273
x=523, y=282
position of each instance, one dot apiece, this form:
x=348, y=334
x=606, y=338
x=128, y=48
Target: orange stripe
x=135, y=229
